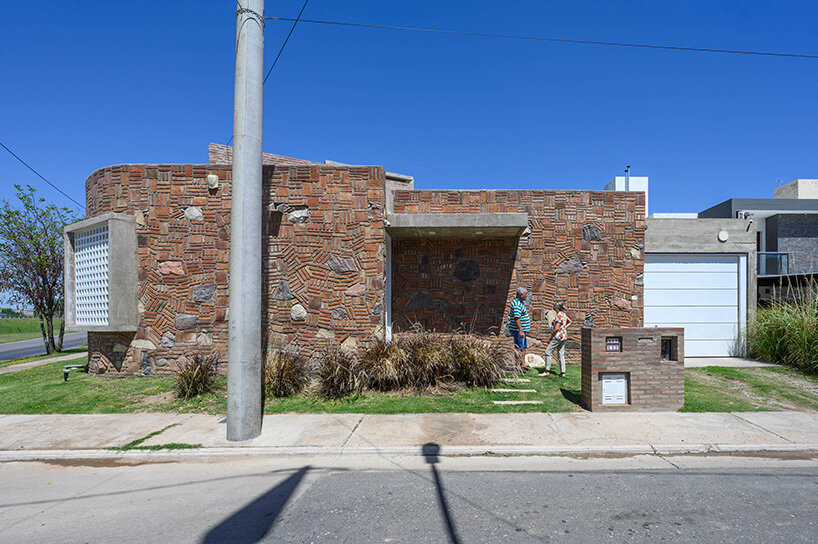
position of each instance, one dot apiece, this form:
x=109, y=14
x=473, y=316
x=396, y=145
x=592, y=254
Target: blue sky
x=89, y=84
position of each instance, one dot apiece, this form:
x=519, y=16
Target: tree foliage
x=31, y=257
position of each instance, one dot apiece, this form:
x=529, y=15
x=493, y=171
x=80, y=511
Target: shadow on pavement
x=254, y=521
x=430, y=453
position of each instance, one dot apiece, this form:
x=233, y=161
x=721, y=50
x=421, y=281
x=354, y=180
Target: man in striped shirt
x=519, y=324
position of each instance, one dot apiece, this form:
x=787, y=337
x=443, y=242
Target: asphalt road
x=30, y=348
x=307, y=500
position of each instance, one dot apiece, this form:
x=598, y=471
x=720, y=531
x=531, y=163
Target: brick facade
x=654, y=384
x=583, y=247
x=797, y=234
x=324, y=259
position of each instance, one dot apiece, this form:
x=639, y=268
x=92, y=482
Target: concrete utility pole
x=244, y=329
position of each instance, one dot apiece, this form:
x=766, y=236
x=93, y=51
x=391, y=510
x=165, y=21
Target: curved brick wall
x=324, y=255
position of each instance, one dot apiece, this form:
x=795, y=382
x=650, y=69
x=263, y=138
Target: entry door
x=705, y=294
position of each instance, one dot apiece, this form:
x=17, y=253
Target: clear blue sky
x=89, y=84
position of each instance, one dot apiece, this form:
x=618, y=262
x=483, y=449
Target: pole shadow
x=252, y=523
x=430, y=453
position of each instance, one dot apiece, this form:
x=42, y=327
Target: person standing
x=519, y=324
x=559, y=336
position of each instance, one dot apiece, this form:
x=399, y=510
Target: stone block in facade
x=653, y=376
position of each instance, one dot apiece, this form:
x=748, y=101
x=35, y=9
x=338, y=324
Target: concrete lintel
x=456, y=225
x=99, y=220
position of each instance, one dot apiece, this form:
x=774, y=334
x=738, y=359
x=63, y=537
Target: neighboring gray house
x=786, y=227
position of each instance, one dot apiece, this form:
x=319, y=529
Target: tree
x=31, y=258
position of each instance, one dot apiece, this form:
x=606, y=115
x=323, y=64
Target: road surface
x=30, y=348
x=295, y=499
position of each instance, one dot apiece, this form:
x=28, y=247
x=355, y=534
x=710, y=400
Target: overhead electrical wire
x=281, y=49
x=13, y=154
x=547, y=39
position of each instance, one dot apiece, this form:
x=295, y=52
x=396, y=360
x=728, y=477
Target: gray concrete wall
x=123, y=304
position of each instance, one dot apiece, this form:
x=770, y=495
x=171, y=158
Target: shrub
x=429, y=359
x=197, y=377
x=339, y=373
x=787, y=332
x=285, y=373
x=475, y=361
x=385, y=365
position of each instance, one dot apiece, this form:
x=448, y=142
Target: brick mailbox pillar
x=632, y=369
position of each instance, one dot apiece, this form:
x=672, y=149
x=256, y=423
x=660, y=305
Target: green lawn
x=23, y=328
x=81, y=349
x=711, y=389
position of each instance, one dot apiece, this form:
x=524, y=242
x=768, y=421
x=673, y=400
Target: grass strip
x=134, y=443
x=81, y=349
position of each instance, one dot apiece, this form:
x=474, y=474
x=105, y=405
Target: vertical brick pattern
x=345, y=225
x=655, y=385
x=554, y=261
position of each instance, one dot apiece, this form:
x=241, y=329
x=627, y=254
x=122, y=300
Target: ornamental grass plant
x=786, y=331
x=285, y=373
x=196, y=377
x=339, y=373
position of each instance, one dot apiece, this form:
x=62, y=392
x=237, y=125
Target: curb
x=445, y=451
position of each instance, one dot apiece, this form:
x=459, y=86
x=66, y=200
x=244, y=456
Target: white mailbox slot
x=614, y=388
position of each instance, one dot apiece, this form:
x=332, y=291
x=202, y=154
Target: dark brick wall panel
x=798, y=236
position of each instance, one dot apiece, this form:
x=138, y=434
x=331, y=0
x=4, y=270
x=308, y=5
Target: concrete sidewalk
x=88, y=436
x=42, y=362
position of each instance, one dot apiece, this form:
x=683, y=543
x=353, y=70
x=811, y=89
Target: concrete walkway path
x=32, y=364
x=734, y=362
x=88, y=436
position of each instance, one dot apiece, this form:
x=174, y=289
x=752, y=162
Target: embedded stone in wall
x=377, y=309
x=421, y=300
x=589, y=321
x=572, y=266
x=591, y=233
x=204, y=293
x=342, y=265
x=467, y=270
x=325, y=334
x=186, y=321
x=635, y=253
x=339, y=313
x=162, y=362
x=314, y=303
x=194, y=213
x=298, y=313
x=640, y=279
x=357, y=290
x=620, y=304
x=204, y=339
x=143, y=344
x=284, y=291
x=168, y=340
x=139, y=217
x=299, y=215
x=350, y=344
x=532, y=359
x=120, y=348
x=171, y=268
x=145, y=363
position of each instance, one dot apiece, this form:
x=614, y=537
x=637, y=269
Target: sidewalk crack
x=760, y=427
x=355, y=428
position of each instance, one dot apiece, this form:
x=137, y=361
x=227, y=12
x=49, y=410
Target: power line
x=547, y=39
x=13, y=154
x=281, y=49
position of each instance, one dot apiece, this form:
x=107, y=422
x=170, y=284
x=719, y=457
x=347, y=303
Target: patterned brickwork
x=654, y=384
x=223, y=154
x=183, y=263
x=447, y=285
x=331, y=264
x=324, y=215
x=584, y=247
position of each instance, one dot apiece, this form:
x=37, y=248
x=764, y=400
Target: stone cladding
x=582, y=247
x=654, y=384
x=798, y=236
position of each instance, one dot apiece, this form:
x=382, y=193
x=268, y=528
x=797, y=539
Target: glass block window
x=91, y=272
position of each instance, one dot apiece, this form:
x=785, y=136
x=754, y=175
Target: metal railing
x=773, y=263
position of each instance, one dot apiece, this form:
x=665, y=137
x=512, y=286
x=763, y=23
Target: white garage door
x=705, y=294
